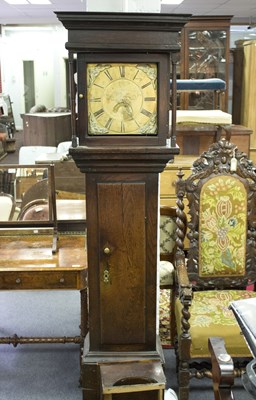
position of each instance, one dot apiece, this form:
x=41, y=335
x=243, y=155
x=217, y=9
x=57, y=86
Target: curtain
x=249, y=89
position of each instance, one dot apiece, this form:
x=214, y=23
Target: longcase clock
x=123, y=71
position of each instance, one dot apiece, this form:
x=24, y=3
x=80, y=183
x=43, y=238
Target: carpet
x=51, y=371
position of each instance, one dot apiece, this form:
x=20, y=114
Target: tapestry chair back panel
x=222, y=227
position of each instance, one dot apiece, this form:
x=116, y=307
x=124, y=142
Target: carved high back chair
x=221, y=260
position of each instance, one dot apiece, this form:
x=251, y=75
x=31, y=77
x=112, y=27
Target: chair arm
x=185, y=287
x=222, y=369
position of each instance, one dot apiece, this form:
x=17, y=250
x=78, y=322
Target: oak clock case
x=119, y=100
x=123, y=71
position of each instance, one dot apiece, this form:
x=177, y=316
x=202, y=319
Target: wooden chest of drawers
x=169, y=176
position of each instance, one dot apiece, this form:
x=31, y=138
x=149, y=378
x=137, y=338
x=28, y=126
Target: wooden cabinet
x=205, y=54
x=46, y=129
x=194, y=139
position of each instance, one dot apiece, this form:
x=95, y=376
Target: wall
x=46, y=47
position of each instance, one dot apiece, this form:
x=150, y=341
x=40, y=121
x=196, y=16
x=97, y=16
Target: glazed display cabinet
x=205, y=54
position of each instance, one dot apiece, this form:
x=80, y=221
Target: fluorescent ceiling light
x=172, y=2
x=16, y=1
x=34, y=2
x=39, y=2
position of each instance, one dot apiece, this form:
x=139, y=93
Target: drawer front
x=44, y=280
x=168, y=180
x=169, y=177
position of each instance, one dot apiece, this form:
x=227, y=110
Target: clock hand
x=126, y=109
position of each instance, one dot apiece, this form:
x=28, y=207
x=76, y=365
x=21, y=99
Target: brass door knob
x=106, y=250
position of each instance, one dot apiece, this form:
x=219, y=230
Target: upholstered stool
x=131, y=377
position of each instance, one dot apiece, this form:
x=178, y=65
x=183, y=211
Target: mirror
x=31, y=191
x=6, y=115
x=29, y=195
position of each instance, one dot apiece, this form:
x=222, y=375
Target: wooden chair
x=168, y=228
x=35, y=210
x=39, y=190
x=223, y=374
x=7, y=206
x=221, y=259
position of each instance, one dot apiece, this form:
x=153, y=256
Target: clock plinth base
x=138, y=375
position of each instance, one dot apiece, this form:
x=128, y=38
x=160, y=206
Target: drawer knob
x=62, y=280
x=18, y=280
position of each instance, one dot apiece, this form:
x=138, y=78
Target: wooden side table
x=27, y=263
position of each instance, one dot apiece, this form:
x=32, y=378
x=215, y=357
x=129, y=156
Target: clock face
x=122, y=99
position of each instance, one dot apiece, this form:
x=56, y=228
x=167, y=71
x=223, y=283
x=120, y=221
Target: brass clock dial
x=122, y=99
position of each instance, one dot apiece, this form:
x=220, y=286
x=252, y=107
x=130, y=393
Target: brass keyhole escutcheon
x=106, y=273
x=106, y=277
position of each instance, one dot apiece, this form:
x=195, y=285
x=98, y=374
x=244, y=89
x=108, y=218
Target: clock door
x=125, y=280
x=118, y=100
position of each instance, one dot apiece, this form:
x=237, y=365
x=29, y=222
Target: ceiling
x=243, y=11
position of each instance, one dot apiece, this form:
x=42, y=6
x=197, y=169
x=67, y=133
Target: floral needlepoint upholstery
x=164, y=318
x=222, y=227
x=210, y=315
